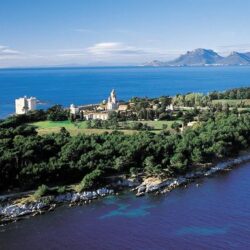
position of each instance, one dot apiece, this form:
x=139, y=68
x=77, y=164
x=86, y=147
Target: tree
x=89, y=181
x=176, y=126
x=57, y=113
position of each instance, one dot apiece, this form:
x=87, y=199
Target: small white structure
x=191, y=124
x=97, y=116
x=123, y=107
x=73, y=109
x=112, y=101
x=24, y=104
x=170, y=107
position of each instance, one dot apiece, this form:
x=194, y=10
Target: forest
x=28, y=160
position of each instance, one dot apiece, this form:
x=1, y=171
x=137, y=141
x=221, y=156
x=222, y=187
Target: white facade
x=74, y=110
x=170, y=107
x=97, y=116
x=24, y=104
x=112, y=103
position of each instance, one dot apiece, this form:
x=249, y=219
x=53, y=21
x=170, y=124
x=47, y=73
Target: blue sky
x=117, y=32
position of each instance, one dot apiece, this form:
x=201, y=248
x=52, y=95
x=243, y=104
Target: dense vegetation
x=203, y=100
x=28, y=160
x=233, y=94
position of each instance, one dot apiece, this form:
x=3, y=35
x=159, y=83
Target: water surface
x=215, y=215
x=92, y=85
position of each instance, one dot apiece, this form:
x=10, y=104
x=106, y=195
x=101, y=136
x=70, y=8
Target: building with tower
x=23, y=105
x=112, y=103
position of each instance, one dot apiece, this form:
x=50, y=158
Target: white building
x=74, y=110
x=170, y=107
x=97, y=116
x=112, y=103
x=24, y=104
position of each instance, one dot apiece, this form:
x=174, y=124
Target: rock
x=141, y=189
x=75, y=197
x=1, y=210
x=152, y=188
x=40, y=205
x=102, y=191
x=52, y=207
x=111, y=191
x=63, y=198
x=11, y=211
x=128, y=182
x=94, y=194
x=190, y=175
x=140, y=194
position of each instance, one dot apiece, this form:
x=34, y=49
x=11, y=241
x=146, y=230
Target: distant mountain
x=204, y=57
x=197, y=57
x=236, y=58
x=155, y=63
x=247, y=54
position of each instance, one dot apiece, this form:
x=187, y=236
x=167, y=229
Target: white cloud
x=114, y=48
x=104, y=53
x=6, y=52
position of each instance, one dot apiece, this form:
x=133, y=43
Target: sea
x=92, y=85
x=215, y=214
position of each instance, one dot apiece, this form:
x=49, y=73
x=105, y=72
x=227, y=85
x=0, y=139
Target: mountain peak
x=197, y=57
x=204, y=57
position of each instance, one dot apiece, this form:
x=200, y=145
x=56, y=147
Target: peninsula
x=155, y=144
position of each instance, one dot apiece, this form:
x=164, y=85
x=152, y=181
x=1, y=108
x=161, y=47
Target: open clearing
x=75, y=128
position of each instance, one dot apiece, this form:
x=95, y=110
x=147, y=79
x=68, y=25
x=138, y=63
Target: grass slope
x=47, y=127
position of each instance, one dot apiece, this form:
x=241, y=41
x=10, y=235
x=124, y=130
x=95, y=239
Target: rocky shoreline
x=11, y=211
x=167, y=185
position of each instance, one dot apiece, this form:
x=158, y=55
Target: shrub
x=41, y=191
x=90, y=180
x=61, y=190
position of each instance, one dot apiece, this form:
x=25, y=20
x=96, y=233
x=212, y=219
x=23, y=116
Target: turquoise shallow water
x=92, y=85
x=215, y=215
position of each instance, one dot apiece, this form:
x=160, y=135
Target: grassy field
x=47, y=127
x=157, y=125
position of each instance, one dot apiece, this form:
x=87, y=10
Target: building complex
x=99, y=111
x=24, y=105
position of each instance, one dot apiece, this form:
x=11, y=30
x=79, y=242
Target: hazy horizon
x=120, y=33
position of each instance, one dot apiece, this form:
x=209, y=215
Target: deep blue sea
x=214, y=215
x=92, y=85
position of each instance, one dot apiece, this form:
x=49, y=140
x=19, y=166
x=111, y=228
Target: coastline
x=12, y=211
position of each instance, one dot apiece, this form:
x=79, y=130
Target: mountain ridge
x=204, y=57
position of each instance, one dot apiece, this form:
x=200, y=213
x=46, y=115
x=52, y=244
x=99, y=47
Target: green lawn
x=157, y=125
x=47, y=127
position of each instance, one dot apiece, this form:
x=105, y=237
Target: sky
x=117, y=32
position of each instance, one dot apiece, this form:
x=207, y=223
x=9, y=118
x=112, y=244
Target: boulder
x=102, y=191
x=75, y=197
x=63, y=198
x=141, y=189
x=152, y=188
x=140, y=194
x=12, y=211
